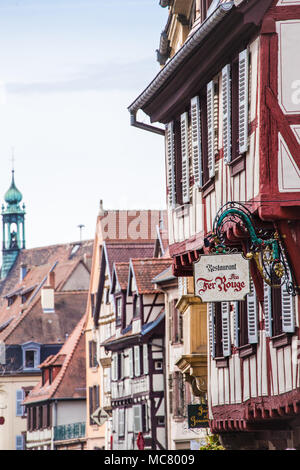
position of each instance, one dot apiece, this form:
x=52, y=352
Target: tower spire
x=13, y=218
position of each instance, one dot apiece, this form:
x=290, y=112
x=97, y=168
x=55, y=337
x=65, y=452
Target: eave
x=199, y=59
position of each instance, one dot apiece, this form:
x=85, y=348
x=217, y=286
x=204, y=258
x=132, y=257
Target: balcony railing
x=69, y=431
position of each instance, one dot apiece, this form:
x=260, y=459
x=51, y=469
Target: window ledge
x=221, y=362
x=281, y=340
x=237, y=165
x=208, y=187
x=247, y=350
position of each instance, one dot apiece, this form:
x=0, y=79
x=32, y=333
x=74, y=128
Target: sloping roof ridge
x=71, y=270
x=79, y=330
x=56, y=245
x=30, y=304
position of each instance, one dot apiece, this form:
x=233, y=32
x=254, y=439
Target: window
x=158, y=365
x=20, y=442
x=140, y=418
x=279, y=309
x=219, y=329
x=118, y=310
x=176, y=324
x=31, y=355
x=137, y=361
x=137, y=301
x=93, y=401
x=20, y=395
x=93, y=354
x=145, y=359
x=178, y=395
x=121, y=422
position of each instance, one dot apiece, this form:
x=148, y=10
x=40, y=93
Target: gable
x=79, y=279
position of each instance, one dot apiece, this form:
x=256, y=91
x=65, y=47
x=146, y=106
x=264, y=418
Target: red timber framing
x=270, y=204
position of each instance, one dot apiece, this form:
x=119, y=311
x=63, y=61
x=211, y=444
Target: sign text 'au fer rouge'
x=222, y=278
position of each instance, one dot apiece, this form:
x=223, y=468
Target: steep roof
x=144, y=270
x=24, y=318
x=70, y=382
x=121, y=272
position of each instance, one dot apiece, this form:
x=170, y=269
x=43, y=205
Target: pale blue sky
x=68, y=71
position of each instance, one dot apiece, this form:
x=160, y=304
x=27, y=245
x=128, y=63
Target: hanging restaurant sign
x=197, y=416
x=222, y=278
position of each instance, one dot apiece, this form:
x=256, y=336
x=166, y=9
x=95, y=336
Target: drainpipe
x=145, y=127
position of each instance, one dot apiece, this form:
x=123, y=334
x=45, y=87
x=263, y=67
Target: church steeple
x=13, y=218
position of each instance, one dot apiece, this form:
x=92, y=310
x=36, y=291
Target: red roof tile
x=70, y=382
x=144, y=270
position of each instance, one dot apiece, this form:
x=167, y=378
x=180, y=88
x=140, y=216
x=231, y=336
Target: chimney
x=47, y=294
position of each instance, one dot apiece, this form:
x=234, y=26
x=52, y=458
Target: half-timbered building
x=228, y=96
x=138, y=368
x=120, y=235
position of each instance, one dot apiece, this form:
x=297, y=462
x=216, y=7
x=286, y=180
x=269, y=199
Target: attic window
x=74, y=250
x=11, y=300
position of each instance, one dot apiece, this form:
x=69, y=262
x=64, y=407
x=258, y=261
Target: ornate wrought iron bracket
x=265, y=245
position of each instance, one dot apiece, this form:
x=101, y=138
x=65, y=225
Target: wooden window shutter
x=137, y=418
x=20, y=442
x=226, y=341
x=185, y=177
x=226, y=104
x=243, y=100
x=236, y=324
x=211, y=319
x=196, y=141
x=288, y=311
x=268, y=309
x=19, y=399
x=137, y=365
x=121, y=422
x=130, y=362
x=145, y=359
x=252, y=315
x=170, y=149
x=210, y=130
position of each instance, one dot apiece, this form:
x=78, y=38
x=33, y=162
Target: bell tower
x=13, y=218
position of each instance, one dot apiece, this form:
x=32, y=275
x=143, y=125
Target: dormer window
x=31, y=355
x=11, y=300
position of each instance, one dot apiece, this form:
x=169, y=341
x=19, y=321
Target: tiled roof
x=69, y=306
x=121, y=270
x=122, y=252
x=70, y=381
x=144, y=270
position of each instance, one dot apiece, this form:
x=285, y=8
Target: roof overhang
x=206, y=51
